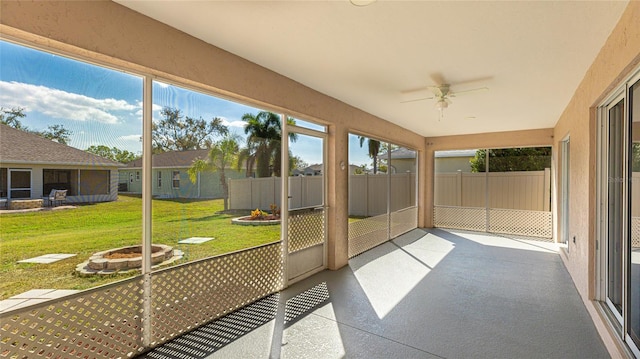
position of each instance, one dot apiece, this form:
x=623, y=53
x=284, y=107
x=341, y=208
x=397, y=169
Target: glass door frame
x=565, y=158
x=620, y=321
x=284, y=207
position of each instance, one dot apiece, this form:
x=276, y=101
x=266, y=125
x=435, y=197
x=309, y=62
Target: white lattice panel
x=367, y=233
x=635, y=232
x=403, y=221
x=520, y=222
x=306, y=228
x=470, y=218
x=188, y=296
x=104, y=322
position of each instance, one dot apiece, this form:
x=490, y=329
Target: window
x=137, y=176
x=59, y=179
x=176, y=179
x=19, y=183
x=382, y=192
x=96, y=111
x=159, y=179
x=501, y=190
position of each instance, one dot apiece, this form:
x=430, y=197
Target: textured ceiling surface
x=531, y=55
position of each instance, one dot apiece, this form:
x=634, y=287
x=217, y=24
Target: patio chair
x=56, y=197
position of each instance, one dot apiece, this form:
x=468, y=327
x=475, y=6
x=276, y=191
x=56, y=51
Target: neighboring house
x=402, y=160
x=453, y=161
x=171, y=178
x=31, y=166
x=316, y=170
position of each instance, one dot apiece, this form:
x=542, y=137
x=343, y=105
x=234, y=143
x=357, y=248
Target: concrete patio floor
x=427, y=294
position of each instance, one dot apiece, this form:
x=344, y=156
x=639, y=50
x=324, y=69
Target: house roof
x=173, y=159
x=21, y=147
x=400, y=153
x=455, y=153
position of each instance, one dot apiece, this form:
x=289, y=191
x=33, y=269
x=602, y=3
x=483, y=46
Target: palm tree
x=263, y=143
x=374, y=150
x=222, y=155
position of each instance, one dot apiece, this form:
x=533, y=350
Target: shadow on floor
x=427, y=294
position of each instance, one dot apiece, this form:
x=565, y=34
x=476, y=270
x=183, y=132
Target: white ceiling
x=531, y=55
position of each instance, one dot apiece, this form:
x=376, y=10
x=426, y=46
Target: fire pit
x=127, y=258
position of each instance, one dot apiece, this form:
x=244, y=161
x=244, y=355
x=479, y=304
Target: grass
x=97, y=227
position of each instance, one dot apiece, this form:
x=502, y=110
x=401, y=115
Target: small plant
x=275, y=211
x=258, y=214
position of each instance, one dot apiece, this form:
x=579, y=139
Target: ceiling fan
x=442, y=94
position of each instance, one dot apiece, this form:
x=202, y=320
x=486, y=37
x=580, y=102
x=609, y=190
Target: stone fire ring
x=97, y=264
x=243, y=221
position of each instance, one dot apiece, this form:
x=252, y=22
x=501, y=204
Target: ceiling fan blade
x=437, y=91
x=418, y=99
x=454, y=94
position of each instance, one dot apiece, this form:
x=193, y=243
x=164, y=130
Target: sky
x=102, y=106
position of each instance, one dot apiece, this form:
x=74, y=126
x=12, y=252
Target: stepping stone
x=195, y=240
x=48, y=258
x=32, y=297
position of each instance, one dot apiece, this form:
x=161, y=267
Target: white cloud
x=236, y=123
x=135, y=138
x=61, y=104
x=154, y=108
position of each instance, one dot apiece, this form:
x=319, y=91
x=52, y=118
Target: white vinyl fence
x=367, y=193
x=514, y=202
x=526, y=190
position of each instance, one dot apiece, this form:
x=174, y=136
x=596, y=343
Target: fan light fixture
x=442, y=94
x=361, y=3
x=441, y=104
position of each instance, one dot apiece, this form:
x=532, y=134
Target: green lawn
x=92, y=228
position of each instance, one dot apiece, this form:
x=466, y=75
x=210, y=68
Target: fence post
x=547, y=190
x=366, y=194
x=459, y=188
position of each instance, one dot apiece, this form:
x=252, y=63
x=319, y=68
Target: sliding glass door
x=615, y=206
x=620, y=198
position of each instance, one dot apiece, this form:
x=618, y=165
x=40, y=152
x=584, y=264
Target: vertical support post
x=388, y=191
x=284, y=199
x=486, y=191
x=338, y=178
x=147, y=183
x=547, y=190
x=366, y=194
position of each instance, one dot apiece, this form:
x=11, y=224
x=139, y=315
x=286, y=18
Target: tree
x=635, y=157
x=264, y=143
x=373, y=150
x=10, y=117
x=297, y=162
x=222, y=155
x=113, y=153
x=512, y=159
x=56, y=133
x=178, y=133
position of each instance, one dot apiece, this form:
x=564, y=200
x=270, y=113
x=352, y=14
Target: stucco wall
x=618, y=57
